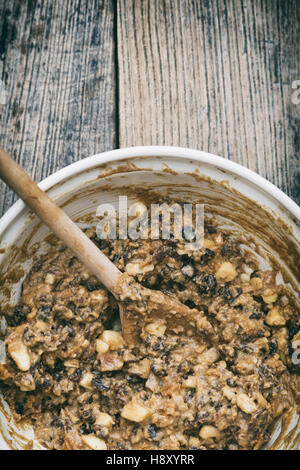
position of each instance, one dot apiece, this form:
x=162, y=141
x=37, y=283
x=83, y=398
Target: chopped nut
x=104, y=419
x=194, y=442
x=246, y=403
x=141, y=368
x=207, y=243
x=245, y=277
x=226, y=272
x=137, y=268
x=228, y=393
x=71, y=363
x=86, y=381
x=256, y=283
x=135, y=412
x=114, y=339
x=281, y=337
x=99, y=297
x=190, y=382
x=156, y=328
x=208, y=432
x=209, y=357
x=269, y=296
x=188, y=270
x=19, y=353
x=110, y=361
x=275, y=318
x=101, y=346
x=93, y=442
x=50, y=279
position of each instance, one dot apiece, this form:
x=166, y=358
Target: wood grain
x=57, y=63
x=214, y=75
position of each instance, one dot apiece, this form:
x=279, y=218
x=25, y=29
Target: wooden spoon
x=138, y=305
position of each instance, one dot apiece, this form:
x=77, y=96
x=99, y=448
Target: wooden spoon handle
x=66, y=230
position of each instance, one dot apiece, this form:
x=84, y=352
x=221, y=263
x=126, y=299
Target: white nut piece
x=256, y=283
x=86, y=381
x=135, y=412
x=50, y=279
x=93, y=442
x=19, y=353
x=207, y=243
x=190, y=382
x=114, y=339
x=246, y=403
x=194, y=442
x=245, y=278
x=98, y=296
x=275, y=317
x=101, y=346
x=137, y=268
x=226, y=272
x=209, y=357
x=104, y=419
x=228, y=393
x=269, y=296
x=208, y=432
x=156, y=328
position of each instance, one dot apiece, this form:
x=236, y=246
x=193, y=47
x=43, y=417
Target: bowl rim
x=93, y=161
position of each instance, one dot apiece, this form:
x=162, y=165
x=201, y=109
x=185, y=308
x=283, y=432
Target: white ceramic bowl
x=190, y=174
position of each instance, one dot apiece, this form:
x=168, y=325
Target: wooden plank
x=57, y=63
x=214, y=75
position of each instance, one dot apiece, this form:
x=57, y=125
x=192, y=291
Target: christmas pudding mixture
x=69, y=373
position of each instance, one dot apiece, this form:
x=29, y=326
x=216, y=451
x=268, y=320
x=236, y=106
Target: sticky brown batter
x=70, y=374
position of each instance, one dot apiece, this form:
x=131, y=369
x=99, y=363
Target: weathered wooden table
x=82, y=76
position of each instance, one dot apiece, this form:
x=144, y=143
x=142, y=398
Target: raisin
x=45, y=384
x=207, y=256
x=254, y=274
x=57, y=284
x=206, y=283
x=72, y=261
x=159, y=346
x=19, y=407
x=227, y=251
x=226, y=293
x=186, y=259
x=152, y=431
x=84, y=429
x=99, y=384
x=189, y=303
x=37, y=267
x=211, y=282
x=210, y=228
x=43, y=312
x=90, y=285
x=58, y=423
x=158, y=370
x=231, y=382
x=255, y=316
x=19, y=315
x=293, y=329
x=76, y=376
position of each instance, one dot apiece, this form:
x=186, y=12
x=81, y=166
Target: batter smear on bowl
x=70, y=374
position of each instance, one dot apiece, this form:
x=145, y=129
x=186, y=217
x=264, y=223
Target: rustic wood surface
x=57, y=63
x=85, y=76
x=214, y=75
